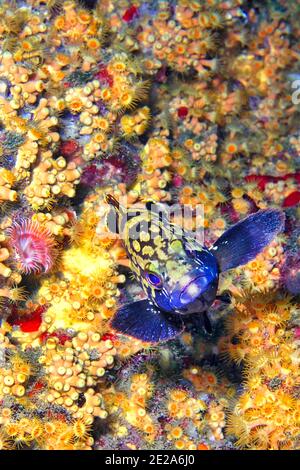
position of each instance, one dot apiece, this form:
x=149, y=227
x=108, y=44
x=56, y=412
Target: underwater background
x=189, y=102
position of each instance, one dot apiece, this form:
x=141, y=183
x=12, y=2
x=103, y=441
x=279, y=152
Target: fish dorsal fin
x=112, y=201
x=245, y=240
x=114, y=214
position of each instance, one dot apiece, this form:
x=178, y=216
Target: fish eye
x=154, y=279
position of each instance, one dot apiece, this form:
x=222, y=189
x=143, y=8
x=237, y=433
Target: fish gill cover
x=177, y=102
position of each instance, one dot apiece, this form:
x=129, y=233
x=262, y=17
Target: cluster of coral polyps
x=50, y=179
x=266, y=415
x=148, y=413
x=178, y=101
x=73, y=369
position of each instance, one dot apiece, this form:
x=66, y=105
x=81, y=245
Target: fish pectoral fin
x=246, y=239
x=145, y=322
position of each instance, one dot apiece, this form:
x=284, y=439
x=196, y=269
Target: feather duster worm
x=33, y=246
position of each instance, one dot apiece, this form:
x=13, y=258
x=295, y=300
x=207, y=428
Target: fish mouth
x=182, y=297
x=193, y=290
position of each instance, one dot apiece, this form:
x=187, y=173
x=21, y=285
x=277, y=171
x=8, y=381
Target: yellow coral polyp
x=102, y=124
x=178, y=395
x=75, y=105
x=176, y=433
x=59, y=22
x=98, y=292
x=26, y=46
x=81, y=429
x=118, y=66
x=93, y=43
x=84, y=16
x=127, y=99
x=237, y=193
x=105, y=94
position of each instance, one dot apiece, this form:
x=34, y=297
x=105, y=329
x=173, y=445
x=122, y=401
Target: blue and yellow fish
x=178, y=274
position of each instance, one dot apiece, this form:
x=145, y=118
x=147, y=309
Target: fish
x=178, y=274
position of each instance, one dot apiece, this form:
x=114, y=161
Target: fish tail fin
x=245, y=240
